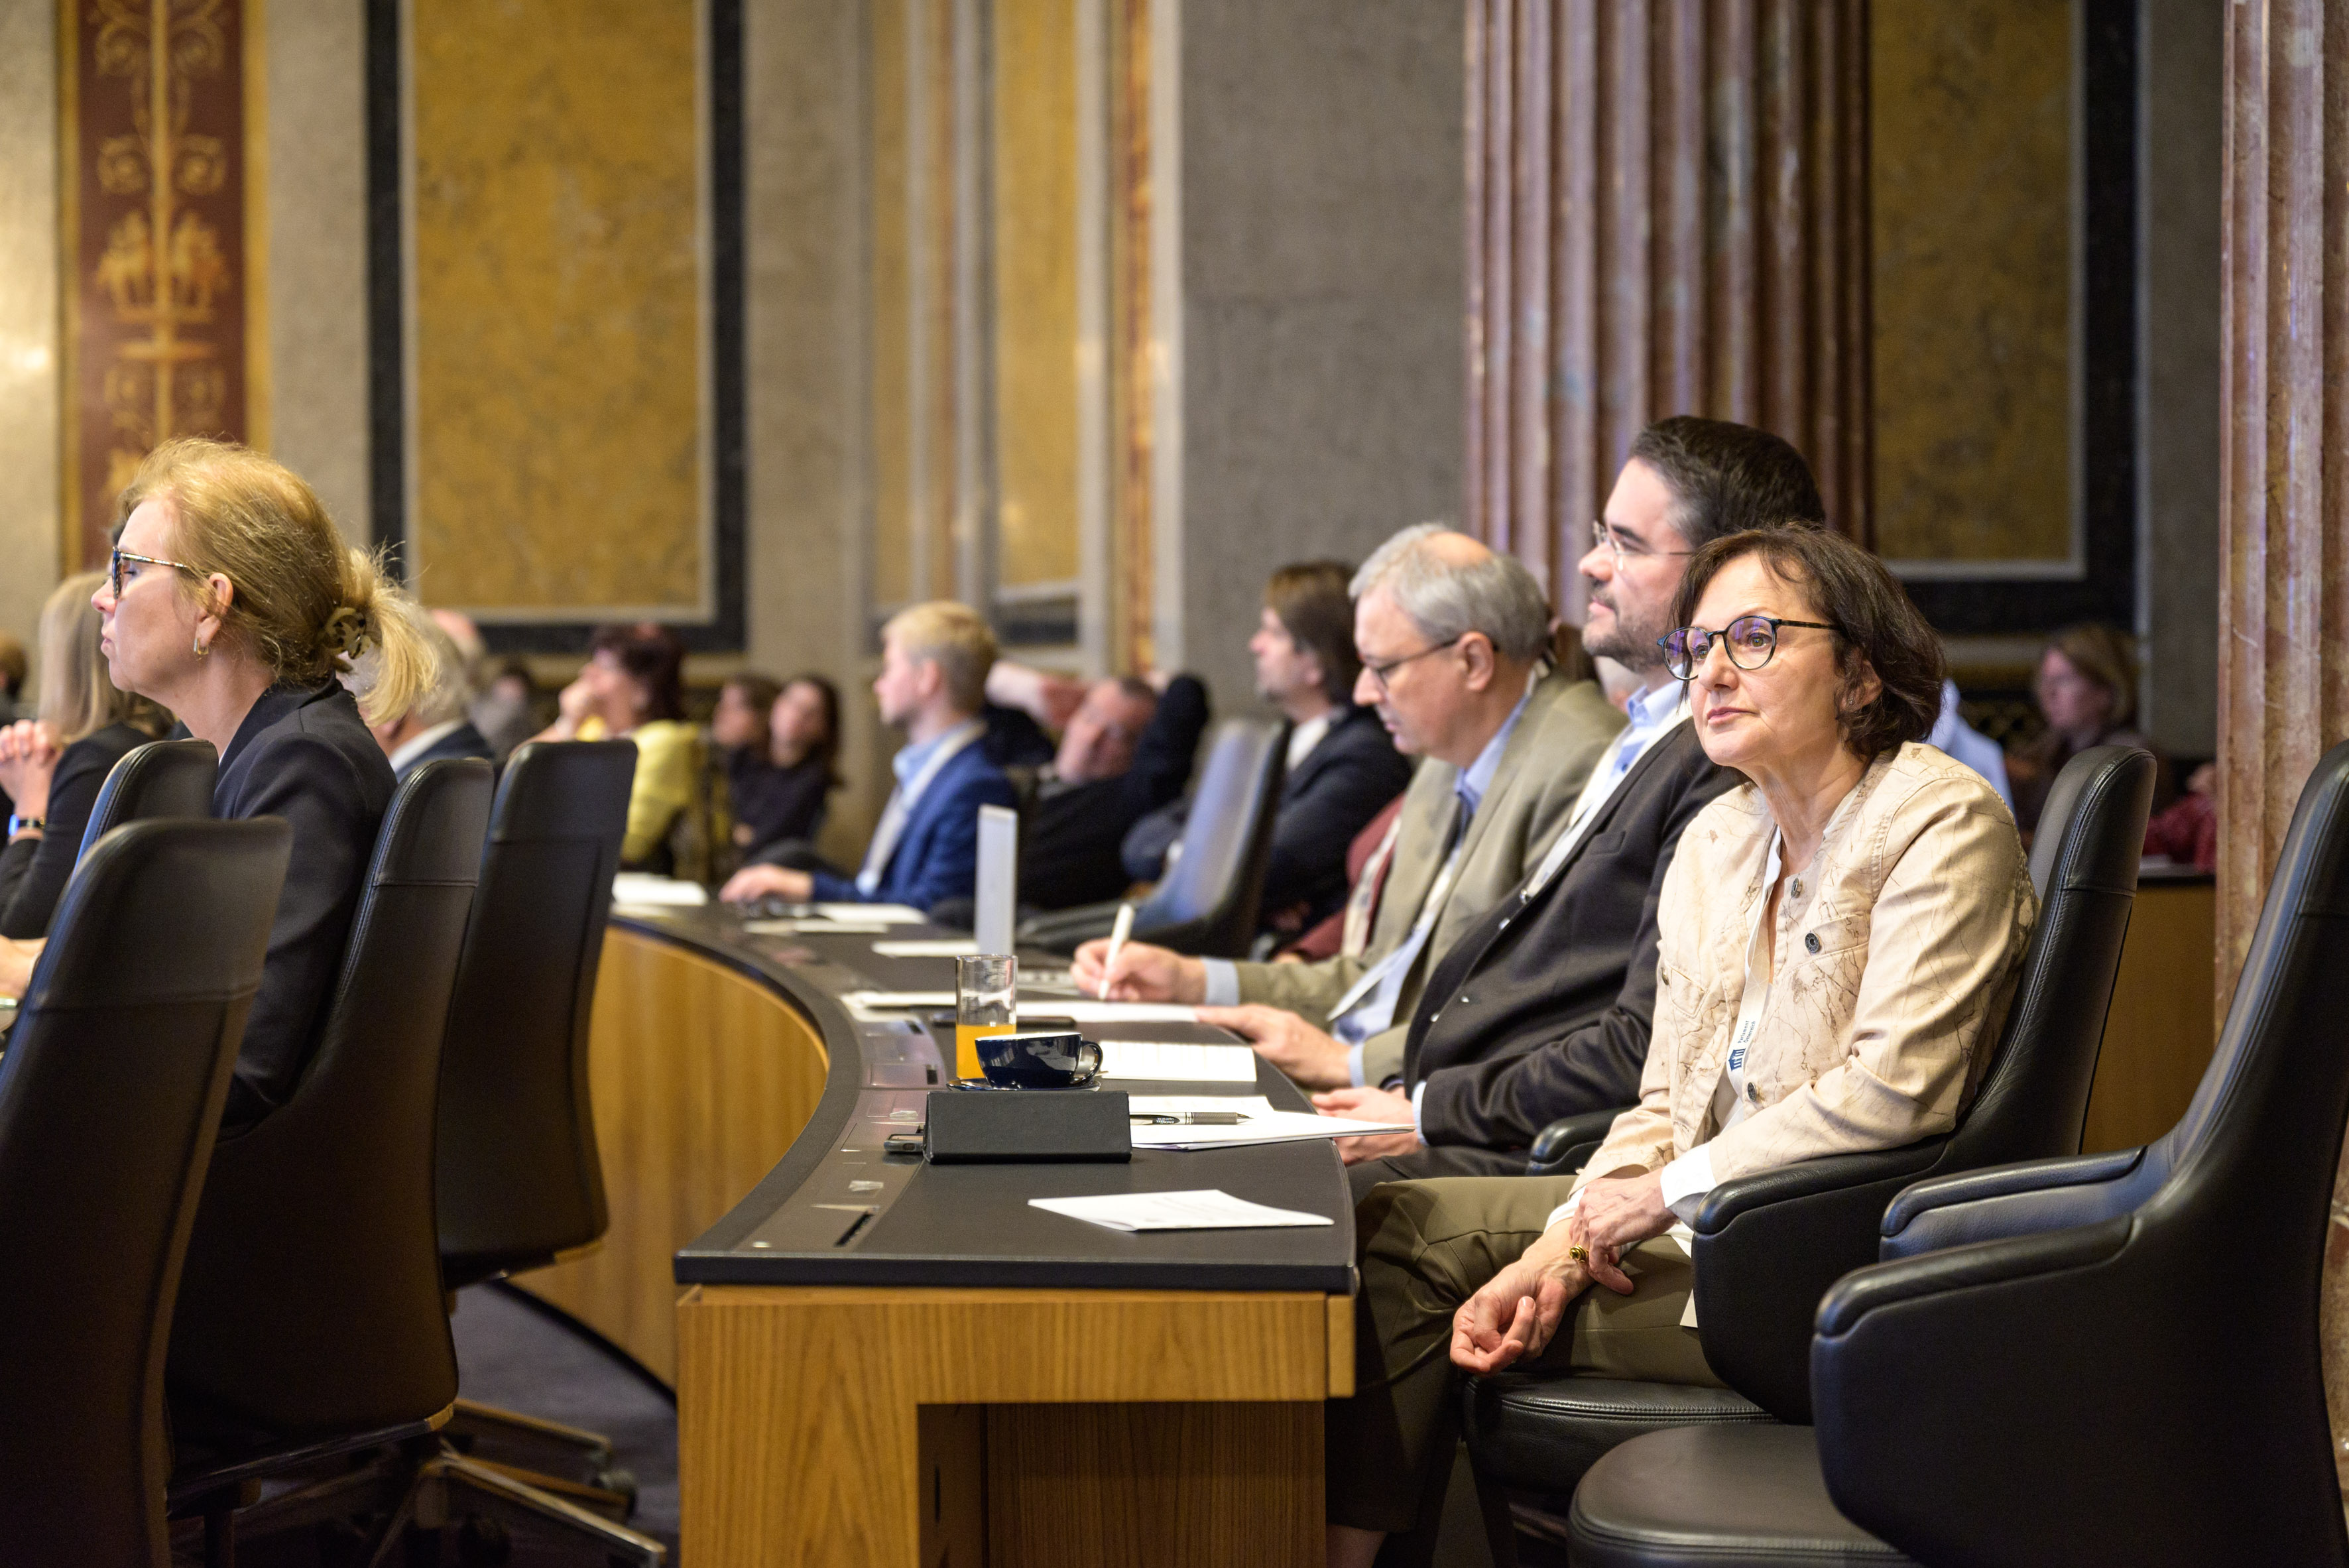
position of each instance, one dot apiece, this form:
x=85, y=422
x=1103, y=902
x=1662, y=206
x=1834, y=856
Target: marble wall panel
x=29, y=350
x=316, y=165
x=558, y=391
x=807, y=361
x=1970, y=128
x=1320, y=284
x=1035, y=262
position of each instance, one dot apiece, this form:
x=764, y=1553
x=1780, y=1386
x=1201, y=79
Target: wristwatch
x=19, y=824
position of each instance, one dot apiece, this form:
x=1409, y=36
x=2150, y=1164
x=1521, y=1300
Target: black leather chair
x=310, y=1318
x=1768, y=1246
x=160, y=779
x=2109, y=1359
x=110, y=1094
x=519, y=1177
x=1208, y=905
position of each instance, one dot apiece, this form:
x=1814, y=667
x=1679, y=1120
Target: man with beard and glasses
x=1542, y=1009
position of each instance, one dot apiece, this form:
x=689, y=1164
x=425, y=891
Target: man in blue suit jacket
x=933, y=683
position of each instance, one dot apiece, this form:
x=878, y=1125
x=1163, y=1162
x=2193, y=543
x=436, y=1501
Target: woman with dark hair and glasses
x=1840, y=936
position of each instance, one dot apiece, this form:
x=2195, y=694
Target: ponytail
x=381, y=621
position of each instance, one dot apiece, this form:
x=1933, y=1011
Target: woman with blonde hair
x=232, y=600
x=52, y=765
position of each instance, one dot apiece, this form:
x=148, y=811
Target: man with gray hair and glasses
x=1454, y=644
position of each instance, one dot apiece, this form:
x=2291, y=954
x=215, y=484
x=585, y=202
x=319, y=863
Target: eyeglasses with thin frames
x=1749, y=639
x=1614, y=543
x=1379, y=672
x=119, y=556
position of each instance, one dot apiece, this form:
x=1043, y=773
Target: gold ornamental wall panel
x=559, y=419
x=162, y=231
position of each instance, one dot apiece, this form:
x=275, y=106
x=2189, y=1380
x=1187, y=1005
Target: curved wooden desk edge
x=703, y=1075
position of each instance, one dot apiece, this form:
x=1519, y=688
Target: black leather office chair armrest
x=1812, y=1179
x=1066, y=930
x=2004, y=1201
x=1560, y=1147
x=1999, y=1181
x=1768, y=1248
x=1885, y=1285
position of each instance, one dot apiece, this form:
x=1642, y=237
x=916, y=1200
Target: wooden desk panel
x=839, y=1425
x=702, y=1076
x=2162, y=1030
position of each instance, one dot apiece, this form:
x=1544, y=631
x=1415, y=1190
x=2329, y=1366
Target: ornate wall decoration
x=162, y=308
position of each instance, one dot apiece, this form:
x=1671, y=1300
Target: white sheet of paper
x=812, y=928
x=1172, y=1061
x=1264, y=1124
x=897, y=1001
x=871, y=914
x=929, y=947
x=1206, y=1209
x=1088, y=1012
x=637, y=888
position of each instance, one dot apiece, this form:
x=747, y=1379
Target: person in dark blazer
x=1127, y=751
x=924, y=851
x=1544, y=1010
x=232, y=600
x=780, y=779
x=1342, y=768
x=434, y=725
x=95, y=725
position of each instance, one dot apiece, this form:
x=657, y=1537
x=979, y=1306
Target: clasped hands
x=29, y=757
x=1516, y=1312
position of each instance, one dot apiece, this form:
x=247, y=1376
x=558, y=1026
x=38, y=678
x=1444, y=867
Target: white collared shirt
x=417, y=745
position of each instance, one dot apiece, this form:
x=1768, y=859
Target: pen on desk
x=1117, y=935
x=1192, y=1117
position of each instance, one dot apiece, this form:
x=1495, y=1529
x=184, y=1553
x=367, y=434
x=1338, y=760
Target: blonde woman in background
x=52, y=765
x=232, y=600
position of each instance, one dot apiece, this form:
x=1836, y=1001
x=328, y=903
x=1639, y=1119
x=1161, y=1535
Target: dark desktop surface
x=839, y=1211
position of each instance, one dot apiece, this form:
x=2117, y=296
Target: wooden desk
x=702, y=1075
x=837, y=1426
x=934, y=1372
x=2162, y=1027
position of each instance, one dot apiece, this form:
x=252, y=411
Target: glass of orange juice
x=986, y=998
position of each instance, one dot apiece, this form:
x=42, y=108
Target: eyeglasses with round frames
x=1614, y=543
x=1379, y=672
x=116, y=558
x=1750, y=640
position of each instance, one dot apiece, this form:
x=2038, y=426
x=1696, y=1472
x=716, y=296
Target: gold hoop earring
x=202, y=647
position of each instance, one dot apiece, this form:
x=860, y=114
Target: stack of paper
x=871, y=914
x=634, y=889
x=1262, y=1124
x=1206, y=1209
x=1088, y=1012
x=929, y=947
x=1170, y=1061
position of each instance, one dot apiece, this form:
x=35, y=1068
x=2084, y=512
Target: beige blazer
x=1559, y=738
x=1894, y=965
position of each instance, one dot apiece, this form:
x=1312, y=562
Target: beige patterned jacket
x=1898, y=950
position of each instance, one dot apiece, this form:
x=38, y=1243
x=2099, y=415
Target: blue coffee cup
x=1055, y=1061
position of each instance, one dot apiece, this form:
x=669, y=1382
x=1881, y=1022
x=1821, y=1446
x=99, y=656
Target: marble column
x=2283, y=636
x=1667, y=214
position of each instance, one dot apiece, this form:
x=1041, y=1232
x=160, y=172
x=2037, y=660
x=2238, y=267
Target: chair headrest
x=126, y=931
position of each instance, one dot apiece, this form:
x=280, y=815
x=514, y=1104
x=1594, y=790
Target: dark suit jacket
x=306, y=756
x=936, y=857
x=461, y=742
x=34, y=871
x=1069, y=844
x=1544, y=1008
x=777, y=804
x=1343, y=783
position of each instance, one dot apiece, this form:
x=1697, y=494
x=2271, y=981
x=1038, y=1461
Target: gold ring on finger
x=1579, y=1255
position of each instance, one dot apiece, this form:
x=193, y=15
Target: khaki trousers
x=1424, y=1248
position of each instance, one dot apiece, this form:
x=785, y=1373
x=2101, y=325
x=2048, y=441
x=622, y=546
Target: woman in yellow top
x=633, y=688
